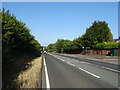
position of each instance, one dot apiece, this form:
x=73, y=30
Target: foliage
x=99, y=32
x=59, y=45
x=64, y=46
x=51, y=48
x=108, y=45
x=16, y=39
x=71, y=47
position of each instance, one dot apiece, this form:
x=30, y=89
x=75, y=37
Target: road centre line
x=90, y=73
x=111, y=69
x=83, y=70
x=72, y=64
x=62, y=60
x=84, y=62
x=46, y=75
x=68, y=62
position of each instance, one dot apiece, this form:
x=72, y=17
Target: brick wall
x=102, y=52
x=118, y=52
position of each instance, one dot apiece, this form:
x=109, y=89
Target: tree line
x=97, y=35
x=16, y=40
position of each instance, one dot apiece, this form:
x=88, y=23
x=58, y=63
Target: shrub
x=108, y=45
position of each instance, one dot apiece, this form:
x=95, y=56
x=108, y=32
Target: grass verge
x=31, y=78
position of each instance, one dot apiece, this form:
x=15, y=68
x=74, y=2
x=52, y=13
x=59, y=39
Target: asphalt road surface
x=64, y=72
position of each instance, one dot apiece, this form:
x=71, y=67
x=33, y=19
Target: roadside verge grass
x=31, y=78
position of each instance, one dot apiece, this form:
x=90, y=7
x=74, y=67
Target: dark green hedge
x=16, y=39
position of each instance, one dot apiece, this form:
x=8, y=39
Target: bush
x=108, y=45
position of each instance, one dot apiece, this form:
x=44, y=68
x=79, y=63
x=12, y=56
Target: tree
x=64, y=46
x=97, y=33
x=51, y=47
x=16, y=39
x=71, y=47
x=59, y=45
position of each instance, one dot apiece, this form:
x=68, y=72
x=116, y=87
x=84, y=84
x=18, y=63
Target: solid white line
x=46, y=75
x=90, y=73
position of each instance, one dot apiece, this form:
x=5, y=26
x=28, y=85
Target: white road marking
x=84, y=62
x=82, y=69
x=90, y=73
x=46, y=75
x=62, y=60
x=70, y=64
x=110, y=69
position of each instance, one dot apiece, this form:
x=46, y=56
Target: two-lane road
x=64, y=74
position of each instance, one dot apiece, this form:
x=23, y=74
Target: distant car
x=44, y=51
x=41, y=52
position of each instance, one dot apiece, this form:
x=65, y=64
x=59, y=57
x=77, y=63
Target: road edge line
x=46, y=75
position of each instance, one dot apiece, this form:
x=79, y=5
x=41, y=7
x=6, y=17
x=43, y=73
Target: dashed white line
x=84, y=62
x=46, y=75
x=68, y=62
x=72, y=64
x=82, y=69
x=110, y=69
x=62, y=60
x=90, y=73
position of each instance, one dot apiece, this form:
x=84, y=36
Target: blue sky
x=49, y=21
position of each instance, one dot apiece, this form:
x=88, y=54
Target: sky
x=49, y=21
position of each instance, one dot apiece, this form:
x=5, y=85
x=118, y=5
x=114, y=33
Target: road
x=95, y=61
x=64, y=72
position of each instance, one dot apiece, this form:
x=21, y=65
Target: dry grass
x=31, y=78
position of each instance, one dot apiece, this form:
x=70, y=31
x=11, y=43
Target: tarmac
x=108, y=59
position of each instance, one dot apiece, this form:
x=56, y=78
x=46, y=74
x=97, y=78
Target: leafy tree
x=78, y=41
x=97, y=33
x=16, y=39
x=51, y=47
x=71, y=47
x=59, y=45
x=64, y=46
